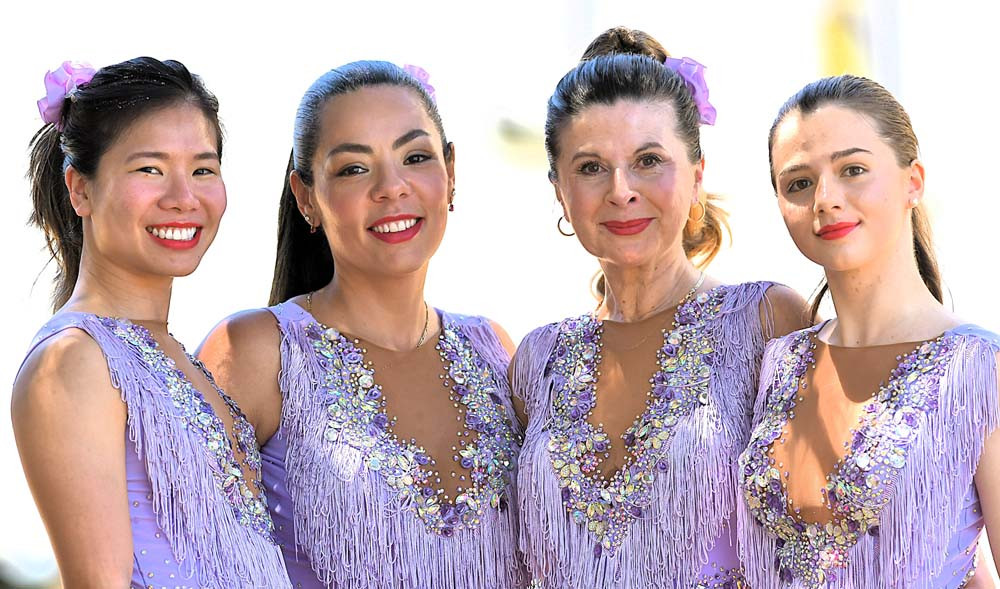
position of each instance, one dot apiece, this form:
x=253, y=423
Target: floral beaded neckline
x=199, y=417
x=576, y=447
x=862, y=482
x=356, y=416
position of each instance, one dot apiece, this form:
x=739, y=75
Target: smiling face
x=625, y=181
x=381, y=182
x=844, y=197
x=153, y=205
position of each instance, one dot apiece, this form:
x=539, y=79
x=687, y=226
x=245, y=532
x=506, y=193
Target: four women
x=391, y=433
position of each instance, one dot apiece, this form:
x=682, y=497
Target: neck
x=389, y=312
x=633, y=293
x=108, y=290
x=884, y=302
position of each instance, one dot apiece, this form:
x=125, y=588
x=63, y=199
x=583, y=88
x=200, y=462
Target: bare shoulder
x=66, y=369
x=503, y=336
x=782, y=311
x=251, y=334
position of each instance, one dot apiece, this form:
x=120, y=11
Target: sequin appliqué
x=576, y=447
x=862, y=484
x=356, y=416
x=198, y=416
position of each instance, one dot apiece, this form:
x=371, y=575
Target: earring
x=312, y=228
x=560, y=228
x=914, y=202
x=451, y=207
x=704, y=211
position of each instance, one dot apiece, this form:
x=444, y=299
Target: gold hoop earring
x=560, y=228
x=704, y=213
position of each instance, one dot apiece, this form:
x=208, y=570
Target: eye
x=150, y=170
x=204, y=172
x=351, y=170
x=589, y=168
x=649, y=160
x=854, y=170
x=417, y=158
x=798, y=184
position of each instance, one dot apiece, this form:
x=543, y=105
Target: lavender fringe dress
x=910, y=513
x=195, y=522
x=348, y=502
x=670, y=525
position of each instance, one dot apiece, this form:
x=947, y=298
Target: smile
x=396, y=228
x=836, y=231
x=630, y=227
x=175, y=235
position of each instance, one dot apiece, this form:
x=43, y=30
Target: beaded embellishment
x=862, y=483
x=198, y=416
x=357, y=417
x=576, y=447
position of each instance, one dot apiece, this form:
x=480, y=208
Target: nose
x=390, y=183
x=180, y=195
x=828, y=196
x=621, y=192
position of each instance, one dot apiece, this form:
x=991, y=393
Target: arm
x=69, y=423
x=988, y=484
x=243, y=353
x=782, y=311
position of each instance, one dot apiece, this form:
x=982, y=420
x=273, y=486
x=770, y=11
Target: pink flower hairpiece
x=59, y=85
x=694, y=74
x=421, y=75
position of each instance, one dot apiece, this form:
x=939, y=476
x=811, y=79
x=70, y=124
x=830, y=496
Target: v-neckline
x=241, y=426
x=401, y=462
x=626, y=494
x=873, y=471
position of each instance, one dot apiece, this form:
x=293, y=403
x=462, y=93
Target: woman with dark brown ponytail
x=636, y=412
x=874, y=460
x=145, y=473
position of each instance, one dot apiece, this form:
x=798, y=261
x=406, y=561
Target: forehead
x=826, y=130
x=176, y=128
x=373, y=115
x=624, y=125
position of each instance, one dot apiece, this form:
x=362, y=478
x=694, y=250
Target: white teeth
x=174, y=233
x=395, y=226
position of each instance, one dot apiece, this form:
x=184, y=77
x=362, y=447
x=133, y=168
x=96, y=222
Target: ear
x=915, y=182
x=449, y=164
x=699, y=176
x=303, y=194
x=77, y=185
x=559, y=194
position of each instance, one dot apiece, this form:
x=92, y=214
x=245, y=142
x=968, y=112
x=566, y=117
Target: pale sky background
x=494, y=63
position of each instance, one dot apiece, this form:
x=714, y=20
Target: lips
x=396, y=228
x=177, y=236
x=836, y=230
x=630, y=227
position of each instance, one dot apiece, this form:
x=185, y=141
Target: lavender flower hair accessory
x=60, y=84
x=694, y=74
x=421, y=76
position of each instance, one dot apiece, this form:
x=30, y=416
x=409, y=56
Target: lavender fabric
x=338, y=522
x=185, y=534
x=685, y=536
x=928, y=532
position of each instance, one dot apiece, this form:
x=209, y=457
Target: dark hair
x=92, y=118
x=626, y=64
x=304, y=262
x=870, y=99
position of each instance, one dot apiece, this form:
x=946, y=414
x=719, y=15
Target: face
x=625, y=182
x=845, y=199
x=153, y=206
x=381, y=183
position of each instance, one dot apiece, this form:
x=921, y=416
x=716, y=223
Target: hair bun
x=625, y=41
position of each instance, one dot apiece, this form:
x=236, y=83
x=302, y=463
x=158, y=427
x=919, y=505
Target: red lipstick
x=397, y=236
x=627, y=227
x=836, y=231
x=176, y=244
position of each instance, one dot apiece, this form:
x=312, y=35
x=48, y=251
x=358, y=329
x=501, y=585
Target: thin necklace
x=690, y=295
x=423, y=332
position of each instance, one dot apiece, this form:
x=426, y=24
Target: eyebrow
x=159, y=155
x=833, y=157
x=359, y=148
x=648, y=145
x=584, y=154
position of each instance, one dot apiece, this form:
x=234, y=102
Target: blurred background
x=494, y=66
